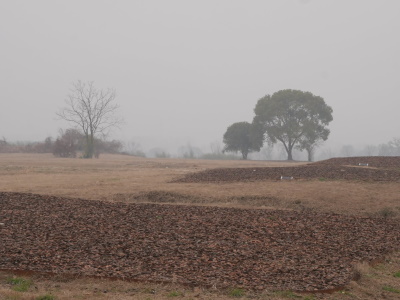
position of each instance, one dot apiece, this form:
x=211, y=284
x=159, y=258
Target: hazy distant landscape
x=199, y=150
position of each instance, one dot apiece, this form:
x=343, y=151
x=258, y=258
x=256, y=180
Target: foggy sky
x=186, y=70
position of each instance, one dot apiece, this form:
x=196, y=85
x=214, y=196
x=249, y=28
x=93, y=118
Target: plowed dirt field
x=385, y=169
x=197, y=246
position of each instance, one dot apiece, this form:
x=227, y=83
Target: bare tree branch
x=93, y=111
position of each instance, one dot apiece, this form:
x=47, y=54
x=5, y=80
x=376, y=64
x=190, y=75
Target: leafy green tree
x=312, y=139
x=243, y=137
x=294, y=118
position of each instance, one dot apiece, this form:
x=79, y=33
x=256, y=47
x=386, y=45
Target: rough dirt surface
x=199, y=246
x=385, y=169
x=392, y=162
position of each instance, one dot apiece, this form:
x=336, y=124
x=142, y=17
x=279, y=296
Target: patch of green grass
x=175, y=294
x=46, y=297
x=397, y=274
x=322, y=179
x=236, y=293
x=19, y=284
x=391, y=289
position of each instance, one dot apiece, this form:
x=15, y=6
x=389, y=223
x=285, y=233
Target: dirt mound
x=312, y=171
x=372, y=161
x=200, y=246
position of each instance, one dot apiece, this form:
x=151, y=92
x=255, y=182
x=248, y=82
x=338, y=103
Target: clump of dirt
x=194, y=245
x=385, y=169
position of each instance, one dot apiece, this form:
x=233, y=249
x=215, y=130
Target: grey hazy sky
x=186, y=70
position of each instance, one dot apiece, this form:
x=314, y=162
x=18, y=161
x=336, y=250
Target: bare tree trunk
x=244, y=154
x=89, y=146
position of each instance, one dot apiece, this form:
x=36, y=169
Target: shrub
x=67, y=143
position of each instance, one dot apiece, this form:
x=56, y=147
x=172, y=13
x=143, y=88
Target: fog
x=186, y=70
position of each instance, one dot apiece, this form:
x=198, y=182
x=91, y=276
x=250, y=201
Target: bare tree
x=370, y=150
x=216, y=147
x=91, y=110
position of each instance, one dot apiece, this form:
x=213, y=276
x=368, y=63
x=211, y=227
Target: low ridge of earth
x=392, y=162
x=194, y=245
x=352, y=168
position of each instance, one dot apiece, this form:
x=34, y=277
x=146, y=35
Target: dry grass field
x=117, y=178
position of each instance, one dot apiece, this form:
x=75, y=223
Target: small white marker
x=286, y=178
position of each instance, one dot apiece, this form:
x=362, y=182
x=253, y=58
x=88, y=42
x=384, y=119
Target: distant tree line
x=26, y=147
x=391, y=148
x=72, y=141
x=69, y=143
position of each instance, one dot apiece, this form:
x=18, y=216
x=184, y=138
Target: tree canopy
x=243, y=137
x=294, y=118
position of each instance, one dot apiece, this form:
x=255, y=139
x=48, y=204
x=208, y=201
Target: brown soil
x=378, y=169
x=196, y=246
x=392, y=162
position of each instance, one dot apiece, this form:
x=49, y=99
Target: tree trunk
x=244, y=154
x=89, y=147
x=288, y=149
x=310, y=155
x=289, y=155
x=289, y=152
x=310, y=151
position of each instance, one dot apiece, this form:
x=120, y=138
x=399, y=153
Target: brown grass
x=127, y=178
x=132, y=179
